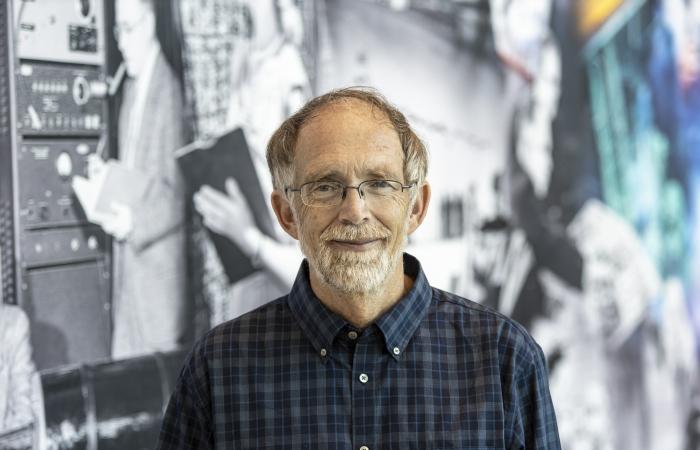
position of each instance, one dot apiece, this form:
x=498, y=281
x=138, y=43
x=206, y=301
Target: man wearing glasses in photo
x=149, y=246
x=362, y=353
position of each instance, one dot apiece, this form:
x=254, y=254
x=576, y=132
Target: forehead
x=349, y=138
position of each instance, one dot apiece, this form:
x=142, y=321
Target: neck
x=362, y=309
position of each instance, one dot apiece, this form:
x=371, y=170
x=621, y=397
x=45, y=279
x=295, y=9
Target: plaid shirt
x=435, y=372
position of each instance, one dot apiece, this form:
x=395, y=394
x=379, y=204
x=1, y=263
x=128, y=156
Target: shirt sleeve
x=534, y=421
x=187, y=422
x=21, y=392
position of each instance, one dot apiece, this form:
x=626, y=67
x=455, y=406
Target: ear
x=419, y=207
x=285, y=215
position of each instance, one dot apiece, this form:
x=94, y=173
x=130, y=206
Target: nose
x=353, y=208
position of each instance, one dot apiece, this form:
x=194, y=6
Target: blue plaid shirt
x=435, y=372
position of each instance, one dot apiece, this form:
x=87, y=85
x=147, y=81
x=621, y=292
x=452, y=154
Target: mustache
x=355, y=233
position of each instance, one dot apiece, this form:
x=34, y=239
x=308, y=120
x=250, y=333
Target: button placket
x=365, y=363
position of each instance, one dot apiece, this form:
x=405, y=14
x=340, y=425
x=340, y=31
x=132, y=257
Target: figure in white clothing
x=270, y=83
x=21, y=400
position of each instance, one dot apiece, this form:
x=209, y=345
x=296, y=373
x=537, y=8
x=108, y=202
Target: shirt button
x=352, y=335
x=323, y=352
x=364, y=447
x=397, y=351
x=364, y=378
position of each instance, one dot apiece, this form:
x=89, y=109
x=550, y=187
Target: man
x=149, y=235
x=362, y=353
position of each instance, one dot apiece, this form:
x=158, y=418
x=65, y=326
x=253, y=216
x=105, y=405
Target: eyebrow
x=335, y=175
x=325, y=175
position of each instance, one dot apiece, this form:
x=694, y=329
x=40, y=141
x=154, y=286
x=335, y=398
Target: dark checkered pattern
x=435, y=372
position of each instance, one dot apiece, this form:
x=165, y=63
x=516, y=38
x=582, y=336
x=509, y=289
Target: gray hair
x=282, y=144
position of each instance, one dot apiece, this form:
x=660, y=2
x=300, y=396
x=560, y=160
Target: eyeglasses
x=332, y=193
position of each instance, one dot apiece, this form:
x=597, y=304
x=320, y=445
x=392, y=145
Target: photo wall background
x=565, y=153
x=564, y=142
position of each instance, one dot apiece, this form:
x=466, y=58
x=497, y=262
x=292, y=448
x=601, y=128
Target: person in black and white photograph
x=20, y=388
x=272, y=83
x=149, y=242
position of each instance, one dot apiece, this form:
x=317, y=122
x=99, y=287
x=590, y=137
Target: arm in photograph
x=230, y=215
x=280, y=259
x=22, y=374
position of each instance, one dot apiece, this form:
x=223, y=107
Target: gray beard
x=351, y=272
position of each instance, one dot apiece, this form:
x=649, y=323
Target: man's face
x=135, y=24
x=354, y=246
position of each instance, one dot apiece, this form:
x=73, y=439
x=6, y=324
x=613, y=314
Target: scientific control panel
x=53, y=116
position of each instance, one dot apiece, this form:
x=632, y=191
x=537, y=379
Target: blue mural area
x=646, y=123
x=644, y=95
x=644, y=170
x=595, y=251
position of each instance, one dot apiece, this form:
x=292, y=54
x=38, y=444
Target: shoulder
x=14, y=318
x=474, y=314
x=244, y=333
x=169, y=90
x=232, y=345
x=14, y=329
x=486, y=330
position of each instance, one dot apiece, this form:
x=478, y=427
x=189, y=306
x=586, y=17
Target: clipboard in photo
x=115, y=183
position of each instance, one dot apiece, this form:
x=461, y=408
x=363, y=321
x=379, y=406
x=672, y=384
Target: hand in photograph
x=95, y=166
x=119, y=223
x=229, y=214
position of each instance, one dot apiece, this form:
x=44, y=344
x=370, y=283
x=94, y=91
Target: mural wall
x=564, y=140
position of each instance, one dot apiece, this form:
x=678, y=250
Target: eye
x=323, y=187
x=379, y=184
x=382, y=186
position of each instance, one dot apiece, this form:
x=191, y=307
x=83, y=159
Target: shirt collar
x=400, y=323
x=321, y=325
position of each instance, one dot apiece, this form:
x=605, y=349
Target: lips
x=356, y=245
x=355, y=238
x=355, y=242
